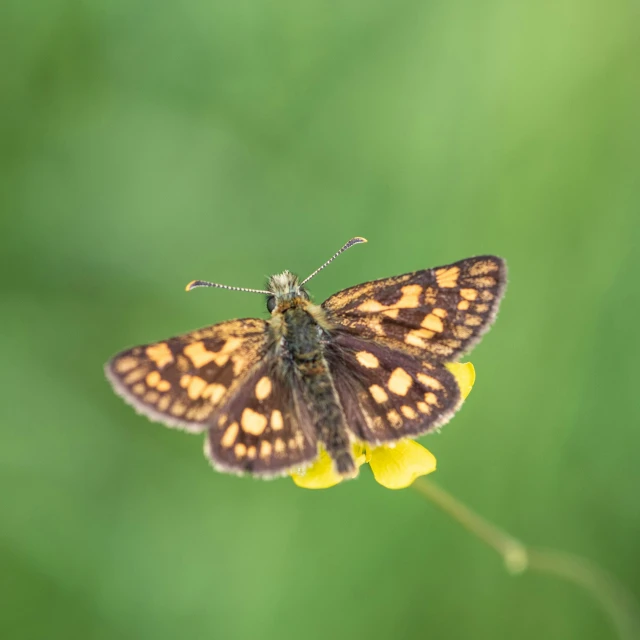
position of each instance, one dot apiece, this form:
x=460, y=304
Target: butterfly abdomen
x=303, y=342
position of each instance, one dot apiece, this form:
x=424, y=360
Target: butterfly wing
x=226, y=379
x=264, y=428
x=439, y=313
x=388, y=394
x=180, y=381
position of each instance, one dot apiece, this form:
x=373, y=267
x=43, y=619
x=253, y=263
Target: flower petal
x=465, y=375
x=396, y=467
x=322, y=475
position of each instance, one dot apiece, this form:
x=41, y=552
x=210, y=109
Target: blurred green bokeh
x=144, y=144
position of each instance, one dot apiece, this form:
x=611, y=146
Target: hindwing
x=387, y=394
x=264, y=428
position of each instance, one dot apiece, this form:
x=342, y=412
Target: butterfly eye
x=271, y=304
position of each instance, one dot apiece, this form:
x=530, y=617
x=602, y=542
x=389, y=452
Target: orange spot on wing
x=153, y=378
x=417, y=337
x=483, y=267
x=462, y=332
x=408, y=412
x=196, y=387
x=410, y=297
x=276, y=420
x=469, y=294
x=394, y=418
x=220, y=358
x=367, y=359
x=214, y=392
x=230, y=435
x=371, y=306
x=178, y=409
x=447, y=277
x=151, y=397
x=135, y=376
x=429, y=381
x=160, y=354
x=378, y=393
x=433, y=323
x=125, y=364
x=263, y=388
x=265, y=449
x=485, y=281
x=431, y=398
x=198, y=354
x=253, y=422
x=399, y=382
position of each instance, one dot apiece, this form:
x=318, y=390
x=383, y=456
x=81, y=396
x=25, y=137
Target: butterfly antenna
x=202, y=283
x=346, y=246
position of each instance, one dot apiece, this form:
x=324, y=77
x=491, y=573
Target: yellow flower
x=394, y=466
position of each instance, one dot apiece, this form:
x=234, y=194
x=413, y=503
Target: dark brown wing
x=264, y=428
x=388, y=394
x=439, y=312
x=181, y=381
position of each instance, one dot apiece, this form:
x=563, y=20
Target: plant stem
x=518, y=557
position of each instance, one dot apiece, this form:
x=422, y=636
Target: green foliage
x=143, y=145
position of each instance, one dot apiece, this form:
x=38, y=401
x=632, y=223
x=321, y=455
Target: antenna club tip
x=190, y=285
x=359, y=239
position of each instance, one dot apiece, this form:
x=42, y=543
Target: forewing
x=388, y=394
x=181, y=381
x=439, y=312
x=264, y=428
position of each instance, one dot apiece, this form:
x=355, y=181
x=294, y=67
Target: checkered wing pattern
x=183, y=380
x=439, y=313
x=387, y=394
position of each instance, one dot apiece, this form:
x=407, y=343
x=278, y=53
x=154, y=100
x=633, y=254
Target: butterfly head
x=285, y=291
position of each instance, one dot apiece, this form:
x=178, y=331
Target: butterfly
x=367, y=365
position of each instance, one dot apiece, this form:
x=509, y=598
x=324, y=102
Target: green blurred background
x=145, y=144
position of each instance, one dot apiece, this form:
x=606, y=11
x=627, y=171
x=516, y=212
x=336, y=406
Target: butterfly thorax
x=300, y=330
